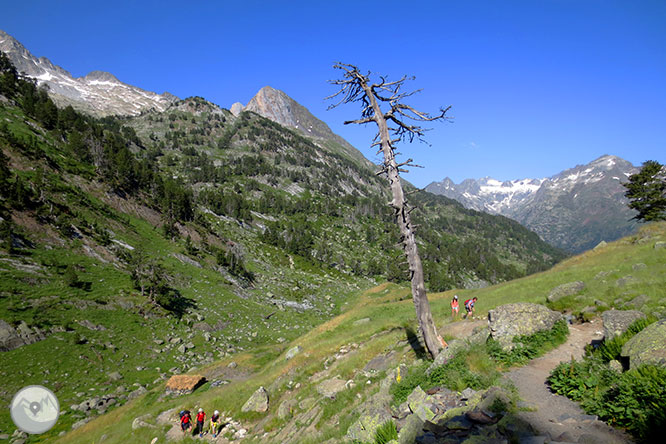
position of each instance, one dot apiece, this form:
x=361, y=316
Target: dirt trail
x=556, y=415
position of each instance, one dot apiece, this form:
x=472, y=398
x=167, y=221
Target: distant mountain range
x=573, y=210
x=98, y=93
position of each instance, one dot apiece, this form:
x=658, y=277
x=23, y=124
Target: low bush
x=530, y=346
x=478, y=367
x=610, y=350
x=386, y=432
x=634, y=400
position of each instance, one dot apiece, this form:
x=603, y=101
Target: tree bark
x=421, y=303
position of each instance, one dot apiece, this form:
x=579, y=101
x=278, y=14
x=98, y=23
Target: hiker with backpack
x=185, y=420
x=201, y=417
x=469, y=307
x=214, y=423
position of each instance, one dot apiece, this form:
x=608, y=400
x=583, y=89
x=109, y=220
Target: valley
x=254, y=247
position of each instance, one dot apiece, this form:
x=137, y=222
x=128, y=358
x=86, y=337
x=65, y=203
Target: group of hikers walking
x=186, y=422
x=468, y=304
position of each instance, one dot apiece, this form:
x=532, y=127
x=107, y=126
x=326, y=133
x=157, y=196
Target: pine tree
x=646, y=191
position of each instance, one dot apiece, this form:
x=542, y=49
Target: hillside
x=140, y=247
x=363, y=344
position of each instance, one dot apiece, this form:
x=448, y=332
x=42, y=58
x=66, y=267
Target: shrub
x=610, y=350
x=635, y=400
x=530, y=346
x=386, y=432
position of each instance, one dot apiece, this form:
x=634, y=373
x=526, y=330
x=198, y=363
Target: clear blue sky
x=536, y=86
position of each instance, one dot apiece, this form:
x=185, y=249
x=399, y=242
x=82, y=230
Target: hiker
x=185, y=420
x=201, y=417
x=469, y=307
x=214, y=423
x=454, y=307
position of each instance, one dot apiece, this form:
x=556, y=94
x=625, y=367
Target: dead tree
x=383, y=104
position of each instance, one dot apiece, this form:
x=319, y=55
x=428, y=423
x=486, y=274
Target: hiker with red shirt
x=185, y=420
x=201, y=417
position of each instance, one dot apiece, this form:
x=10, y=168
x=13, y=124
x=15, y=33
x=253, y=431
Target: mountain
x=98, y=93
x=136, y=247
x=573, y=210
x=277, y=106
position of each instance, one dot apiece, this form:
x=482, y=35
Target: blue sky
x=536, y=86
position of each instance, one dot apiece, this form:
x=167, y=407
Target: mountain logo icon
x=34, y=409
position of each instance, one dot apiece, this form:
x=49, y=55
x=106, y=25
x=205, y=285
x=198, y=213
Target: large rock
x=507, y=321
x=9, y=339
x=421, y=404
x=568, y=289
x=258, y=402
x=184, y=384
x=331, y=387
x=648, y=346
x=616, y=322
x=293, y=352
x=366, y=426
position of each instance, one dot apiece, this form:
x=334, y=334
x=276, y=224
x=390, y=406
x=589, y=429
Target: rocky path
x=554, y=415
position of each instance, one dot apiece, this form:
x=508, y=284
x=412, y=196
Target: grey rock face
x=616, y=322
x=11, y=338
x=568, y=289
x=648, y=346
x=331, y=387
x=98, y=93
x=258, y=402
x=507, y=321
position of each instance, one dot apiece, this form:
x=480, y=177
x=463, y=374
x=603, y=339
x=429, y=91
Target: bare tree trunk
x=421, y=303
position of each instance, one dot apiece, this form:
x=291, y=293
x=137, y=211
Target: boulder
x=9, y=339
x=331, y=387
x=616, y=322
x=141, y=422
x=568, y=289
x=413, y=427
x=381, y=362
x=114, y=376
x=421, y=404
x=203, y=326
x=258, y=402
x=648, y=346
x=366, y=426
x=184, y=384
x=286, y=408
x=293, y=352
x=520, y=319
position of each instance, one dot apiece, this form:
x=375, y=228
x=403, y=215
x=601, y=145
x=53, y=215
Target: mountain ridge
x=98, y=93
x=586, y=199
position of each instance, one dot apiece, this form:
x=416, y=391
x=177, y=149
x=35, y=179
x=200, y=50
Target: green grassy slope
x=343, y=346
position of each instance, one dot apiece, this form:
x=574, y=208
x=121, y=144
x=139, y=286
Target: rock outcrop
x=11, y=338
x=616, y=322
x=521, y=319
x=258, y=402
x=568, y=289
x=184, y=384
x=648, y=346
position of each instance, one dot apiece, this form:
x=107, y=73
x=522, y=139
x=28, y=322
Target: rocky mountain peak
x=587, y=200
x=102, y=76
x=277, y=106
x=99, y=93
